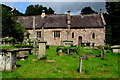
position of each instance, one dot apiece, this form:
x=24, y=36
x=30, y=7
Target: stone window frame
x=93, y=35
x=56, y=34
x=38, y=33
x=73, y=34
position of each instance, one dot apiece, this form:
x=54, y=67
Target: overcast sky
x=60, y=7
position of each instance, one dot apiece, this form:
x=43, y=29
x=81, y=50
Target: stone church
x=58, y=29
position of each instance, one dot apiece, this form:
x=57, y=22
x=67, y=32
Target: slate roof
x=91, y=20
x=60, y=20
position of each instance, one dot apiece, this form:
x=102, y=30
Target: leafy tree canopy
x=37, y=10
x=88, y=10
x=9, y=26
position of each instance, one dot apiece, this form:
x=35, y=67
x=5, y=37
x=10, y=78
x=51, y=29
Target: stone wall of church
x=86, y=34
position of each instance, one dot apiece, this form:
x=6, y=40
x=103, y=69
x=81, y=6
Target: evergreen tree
x=50, y=11
x=108, y=30
x=113, y=21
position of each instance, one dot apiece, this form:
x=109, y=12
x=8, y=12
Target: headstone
x=102, y=53
x=80, y=69
x=42, y=50
x=68, y=51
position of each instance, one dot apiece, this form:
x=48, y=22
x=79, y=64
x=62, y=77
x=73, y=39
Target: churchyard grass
x=66, y=66
x=8, y=47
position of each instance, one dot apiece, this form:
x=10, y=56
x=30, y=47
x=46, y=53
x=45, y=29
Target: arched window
x=72, y=34
x=93, y=35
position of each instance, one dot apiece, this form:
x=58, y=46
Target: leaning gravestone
x=7, y=59
x=42, y=50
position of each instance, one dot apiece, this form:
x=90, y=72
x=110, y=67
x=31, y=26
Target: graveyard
x=62, y=65
x=43, y=44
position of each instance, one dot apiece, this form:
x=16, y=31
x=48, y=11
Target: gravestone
x=42, y=49
x=7, y=59
x=80, y=66
x=116, y=48
x=102, y=53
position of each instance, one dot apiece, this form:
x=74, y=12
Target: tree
x=50, y=11
x=17, y=13
x=88, y=10
x=9, y=26
x=37, y=10
x=113, y=20
x=108, y=30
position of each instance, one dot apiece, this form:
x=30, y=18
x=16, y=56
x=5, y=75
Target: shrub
x=8, y=39
x=30, y=41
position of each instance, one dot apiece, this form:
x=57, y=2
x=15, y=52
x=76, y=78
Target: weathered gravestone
x=42, y=50
x=7, y=59
x=116, y=48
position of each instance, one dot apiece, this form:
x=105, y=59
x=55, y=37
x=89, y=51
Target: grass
x=8, y=47
x=66, y=66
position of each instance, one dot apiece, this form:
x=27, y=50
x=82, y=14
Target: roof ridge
x=62, y=14
x=85, y=15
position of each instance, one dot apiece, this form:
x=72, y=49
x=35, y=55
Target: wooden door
x=79, y=40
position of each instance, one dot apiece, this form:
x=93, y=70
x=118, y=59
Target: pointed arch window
x=93, y=35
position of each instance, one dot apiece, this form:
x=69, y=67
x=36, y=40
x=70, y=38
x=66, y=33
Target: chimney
x=43, y=14
x=68, y=12
x=68, y=18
